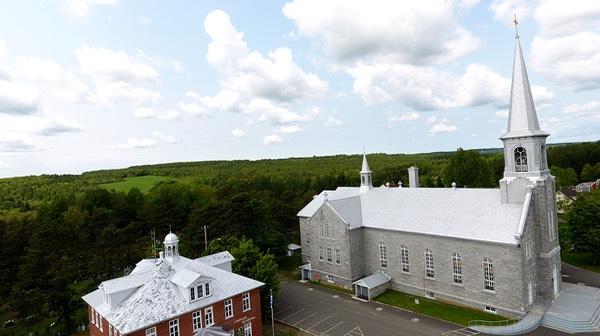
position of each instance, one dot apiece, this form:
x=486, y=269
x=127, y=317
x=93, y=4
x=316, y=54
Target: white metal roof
x=374, y=280
x=159, y=298
x=475, y=214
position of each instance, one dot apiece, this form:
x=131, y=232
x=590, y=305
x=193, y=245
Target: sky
x=102, y=84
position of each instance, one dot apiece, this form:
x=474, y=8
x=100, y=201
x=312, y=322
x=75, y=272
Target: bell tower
x=525, y=158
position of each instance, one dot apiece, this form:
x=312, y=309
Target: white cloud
x=386, y=31
x=425, y=88
x=145, y=112
x=408, y=116
x=246, y=74
x=269, y=111
x=556, y=17
x=114, y=65
x=503, y=114
x=290, y=129
x=83, y=8
x=59, y=124
x=8, y=145
x=272, y=139
x=333, y=121
x=442, y=128
x=238, y=133
x=193, y=95
x=144, y=20
x=18, y=98
x=194, y=109
x=63, y=84
x=161, y=136
x=576, y=66
x=505, y=11
x=431, y=119
x=583, y=113
x=138, y=143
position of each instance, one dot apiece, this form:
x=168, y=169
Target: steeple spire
x=525, y=156
x=365, y=175
x=522, y=117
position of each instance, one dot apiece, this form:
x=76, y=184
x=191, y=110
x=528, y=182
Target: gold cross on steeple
x=516, y=24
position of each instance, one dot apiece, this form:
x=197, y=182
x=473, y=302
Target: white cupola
x=171, y=244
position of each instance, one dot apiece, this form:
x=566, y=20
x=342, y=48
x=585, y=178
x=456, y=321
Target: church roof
x=476, y=214
x=522, y=118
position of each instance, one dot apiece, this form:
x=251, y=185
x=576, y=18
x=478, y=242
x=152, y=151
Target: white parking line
x=314, y=325
x=328, y=330
x=293, y=314
x=284, y=309
x=304, y=318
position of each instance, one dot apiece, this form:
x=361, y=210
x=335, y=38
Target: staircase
x=592, y=324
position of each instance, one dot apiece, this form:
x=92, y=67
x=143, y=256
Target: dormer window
x=200, y=291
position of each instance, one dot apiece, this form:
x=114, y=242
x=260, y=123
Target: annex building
x=490, y=249
x=177, y=296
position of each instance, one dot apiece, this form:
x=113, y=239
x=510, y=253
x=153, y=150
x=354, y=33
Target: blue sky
x=101, y=84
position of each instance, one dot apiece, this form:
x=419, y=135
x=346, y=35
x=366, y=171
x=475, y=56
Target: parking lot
x=328, y=313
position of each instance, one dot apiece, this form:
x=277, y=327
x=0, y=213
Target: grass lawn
x=143, y=183
x=582, y=260
x=443, y=311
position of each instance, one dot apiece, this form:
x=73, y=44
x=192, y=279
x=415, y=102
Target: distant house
x=177, y=296
x=564, y=199
x=293, y=249
x=586, y=186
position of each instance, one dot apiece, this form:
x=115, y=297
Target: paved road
x=325, y=312
x=574, y=274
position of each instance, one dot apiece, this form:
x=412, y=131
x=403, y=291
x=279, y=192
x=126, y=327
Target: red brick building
x=177, y=296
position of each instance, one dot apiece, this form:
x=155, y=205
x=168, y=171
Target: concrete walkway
x=575, y=310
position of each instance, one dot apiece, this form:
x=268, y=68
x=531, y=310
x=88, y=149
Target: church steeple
x=524, y=141
x=365, y=176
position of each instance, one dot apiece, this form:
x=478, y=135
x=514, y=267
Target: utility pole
x=205, y=239
x=272, y=320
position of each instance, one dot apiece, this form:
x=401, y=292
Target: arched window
x=520, y=159
x=382, y=254
x=404, y=258
x=429, y=271
x=456, y=268
x=488, y=274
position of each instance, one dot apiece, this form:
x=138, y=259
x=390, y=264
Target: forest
x=64, y=234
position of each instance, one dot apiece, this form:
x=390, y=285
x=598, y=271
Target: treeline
x=61, y=229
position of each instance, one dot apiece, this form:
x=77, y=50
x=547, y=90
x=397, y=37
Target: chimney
x=161, y=255
x=413, y=177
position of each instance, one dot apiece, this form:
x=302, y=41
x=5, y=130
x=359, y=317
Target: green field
x=143, y=183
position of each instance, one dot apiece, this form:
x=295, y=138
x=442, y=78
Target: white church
x=495, y=250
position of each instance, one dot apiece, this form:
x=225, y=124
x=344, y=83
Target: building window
x=197, y=320
x=93, y=317
x=456, y=268
x=429, y=271
x=520, y=159
x=207, y=289
x=321, y=253
x=192, y=294
x=248, y=329
x=528, y=250
x=330, y=278
x=329, y=254
x=382, y=255
x=488, y=274
x=110, y=330
x=430, y=295
x=100, y=322
x=208, y=316
x=551, y=233
x=404, y=258
x=337, y=256
x=246, y=301
x=327, y=233
x=307, y=238
x=228, y=308
x=151, y=331
x=174, y=327
x=490, y=309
